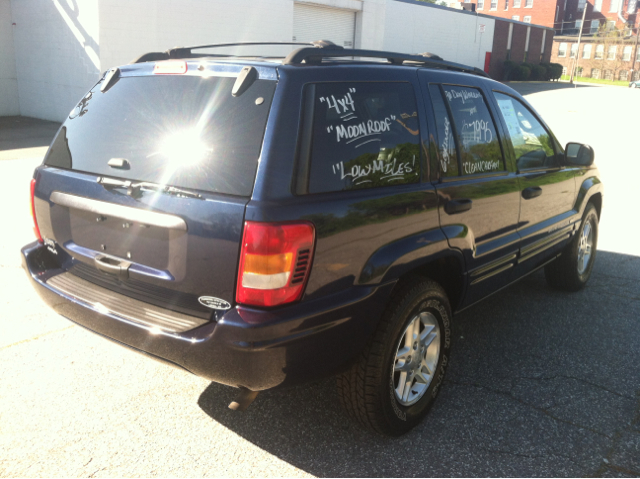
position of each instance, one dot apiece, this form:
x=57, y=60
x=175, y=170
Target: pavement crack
x=536, y=408
x=35, y=337
x=585, y=381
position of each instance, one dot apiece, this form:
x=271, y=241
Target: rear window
x=185, y=131
x=364, y=135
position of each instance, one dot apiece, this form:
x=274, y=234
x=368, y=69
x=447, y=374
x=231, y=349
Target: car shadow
x=539, y=383
x=526, y=88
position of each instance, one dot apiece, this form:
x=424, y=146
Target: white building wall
x=455, y=36
x=57, y=54
x=62, y=46
x=130, y=28
x=9, y=104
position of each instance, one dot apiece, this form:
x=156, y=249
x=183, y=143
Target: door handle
x=112, y=265
x=531, y=192
x=453, y=207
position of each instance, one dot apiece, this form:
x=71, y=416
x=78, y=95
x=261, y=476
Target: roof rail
x=314, y=52
x=186, y=52
x=314, y=56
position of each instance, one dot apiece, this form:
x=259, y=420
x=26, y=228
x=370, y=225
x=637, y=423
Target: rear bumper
x=245, y=347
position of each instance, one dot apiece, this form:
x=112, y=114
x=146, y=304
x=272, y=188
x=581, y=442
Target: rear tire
x=394, y=383
x=571, y=271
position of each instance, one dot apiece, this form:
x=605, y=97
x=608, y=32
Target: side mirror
x=579, y=154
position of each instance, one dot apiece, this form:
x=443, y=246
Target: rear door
x=143, y=190
x=547, y=188
x=478, y=190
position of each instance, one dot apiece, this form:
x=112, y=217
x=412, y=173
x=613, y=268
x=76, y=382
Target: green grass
x=597, y=80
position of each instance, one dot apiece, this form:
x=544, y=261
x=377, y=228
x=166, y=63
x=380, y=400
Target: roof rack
x=313, y=53
x=315, y=56
x=186, y=52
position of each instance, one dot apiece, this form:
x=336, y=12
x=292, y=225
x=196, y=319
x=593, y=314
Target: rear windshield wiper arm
x=133, y=189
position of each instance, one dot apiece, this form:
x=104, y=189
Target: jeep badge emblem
x=214, y=303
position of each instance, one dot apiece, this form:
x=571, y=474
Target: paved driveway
x=540, y=383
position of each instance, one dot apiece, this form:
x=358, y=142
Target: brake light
x=275, y=261
x=170, y=67
x=36, y=230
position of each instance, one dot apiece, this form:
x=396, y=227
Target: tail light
x=274, y=262
x=36, y=230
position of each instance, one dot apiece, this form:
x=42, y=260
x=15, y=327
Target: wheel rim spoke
x=416, y=358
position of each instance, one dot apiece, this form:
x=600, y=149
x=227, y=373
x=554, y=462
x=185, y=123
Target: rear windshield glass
x=185, y=131
x=365, y=135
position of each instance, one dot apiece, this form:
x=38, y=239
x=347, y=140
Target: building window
x=635, y=76
x=632, y=7
x=611, y=52
x=638, y=54
x=528, y=3
x=527, y=19
x=611, y=25
x=595, y=73
x=608, y=74
x=599, y=52
x=574, y=50
x=626, y=53
x=564, y=71
x=578, y=24
x=597, y=6
x=562, y=50
x=624, y=75
x=515, y=17
x=614, y=5
x=581, y=5
x=586, y=51
x=494, y=4
x=516, y=3
x=595, y=24
x=506, y=4
x=480, y=4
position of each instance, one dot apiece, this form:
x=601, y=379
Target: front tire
x=394, y=383
x=571, y=271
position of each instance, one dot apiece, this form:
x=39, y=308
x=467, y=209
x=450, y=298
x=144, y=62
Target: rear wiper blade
x=133, y=189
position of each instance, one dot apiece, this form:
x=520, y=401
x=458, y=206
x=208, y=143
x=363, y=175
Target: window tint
x=446, y=144
x=477, y=138
x=185, y=131
x=531, y=142
x=365, y=135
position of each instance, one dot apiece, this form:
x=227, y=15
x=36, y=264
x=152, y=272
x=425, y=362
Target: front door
x=478, y=191
x=547, y=187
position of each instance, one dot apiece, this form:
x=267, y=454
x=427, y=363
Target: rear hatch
x=144, y=188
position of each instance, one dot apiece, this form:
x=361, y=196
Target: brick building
x=565, y=16
x=598, y=57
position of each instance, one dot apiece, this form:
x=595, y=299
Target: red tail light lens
x=274, y=262
x=36, y=230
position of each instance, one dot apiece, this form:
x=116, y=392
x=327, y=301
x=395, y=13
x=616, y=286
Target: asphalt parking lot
x=540, y=383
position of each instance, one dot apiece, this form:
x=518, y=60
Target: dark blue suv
x=262, y=222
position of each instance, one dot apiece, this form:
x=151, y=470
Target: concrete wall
x=9, y=104
x=414, y=27
x=131, y=28
x=57, y=54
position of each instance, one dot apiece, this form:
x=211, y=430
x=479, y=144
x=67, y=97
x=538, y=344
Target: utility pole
x=633, y=65
x=584, y=15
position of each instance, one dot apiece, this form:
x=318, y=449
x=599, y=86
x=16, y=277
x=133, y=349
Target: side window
x=477, y=138
x=446, y=144
x=532, y=144
x=364, y=135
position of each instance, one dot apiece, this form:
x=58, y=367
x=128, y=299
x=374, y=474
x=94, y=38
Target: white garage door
x=311, y=23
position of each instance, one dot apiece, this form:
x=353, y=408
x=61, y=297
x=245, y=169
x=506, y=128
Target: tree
x=610, y=38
